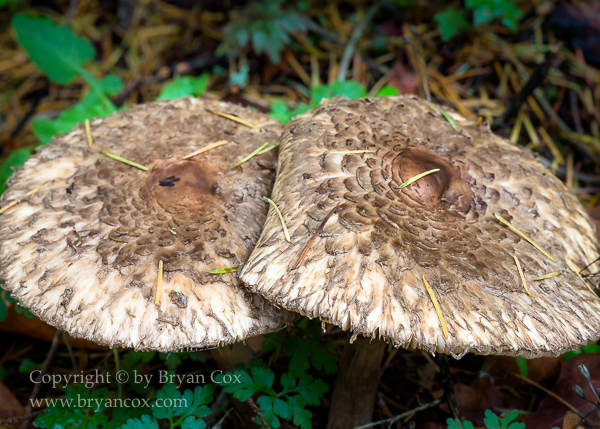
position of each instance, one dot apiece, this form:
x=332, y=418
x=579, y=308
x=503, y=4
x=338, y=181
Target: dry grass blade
x=88, y=132
x=224, y=270
x=417, y=177
x=234, y=118
x=515, y=230
x=206, y=148
x=522, y=276
x=344, y=152
x=28, y=194
x=159, y=283
x=124, y=160
x=547, y=276
x=437, y=306
x=252, y=154
x=548, y=391
x=285, y=230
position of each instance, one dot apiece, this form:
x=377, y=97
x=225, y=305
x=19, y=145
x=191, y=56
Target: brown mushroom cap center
x=438, y=190
x=184, y=183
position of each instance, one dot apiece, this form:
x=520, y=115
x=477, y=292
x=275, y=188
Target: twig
x=38, y=380
x=448, y=386
x=535, y=80
x=391, y=420
x=551, y=393
x=117, y=370
x=257, y=412
x=70, y=349
x=13, y=420
x=354, y=38
x=204, y=149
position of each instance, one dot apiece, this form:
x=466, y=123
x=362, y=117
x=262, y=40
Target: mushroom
x=374, y=255
x=123, y=257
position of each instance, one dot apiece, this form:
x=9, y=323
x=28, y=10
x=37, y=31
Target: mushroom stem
x=356, y=384
x=228, y=357
x=448, y=385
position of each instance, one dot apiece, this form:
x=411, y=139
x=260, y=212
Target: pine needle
x=522, y=276
x=265, y=150
x=447, y=116
x=247, y=157
x=313, y=238
x=234, y=118
x=88, y=131
x=343, y=152
x=159, y=283
x=417, y=177
x=547, y=276
x=437, y=306
x=512, y=228
x=28, y=194
x=124, y=160
x=285, y=230
x=224, y=270
x=204, y=149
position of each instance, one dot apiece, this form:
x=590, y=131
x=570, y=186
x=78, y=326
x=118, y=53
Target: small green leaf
x=491, y=420
x=263, y=377
x=14, y=160
x=27, y=365
x=184, y=86
x=451, y=22
x=387, y=91
x=522, y=363
x=145, y=422
x=53, y=48
x=348, y=88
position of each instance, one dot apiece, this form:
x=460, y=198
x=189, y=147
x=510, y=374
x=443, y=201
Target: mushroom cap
x=365, y=269
x=83, y=253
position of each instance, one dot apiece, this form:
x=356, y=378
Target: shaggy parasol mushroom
x=375, y=256
x=122, y=256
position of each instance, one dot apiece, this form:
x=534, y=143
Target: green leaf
x=347, y=88
x=88, y=108
x=14, y=160
x=192, y=423
x=183, y=86
x=457, y=424
x=265, y=405
x=451, y=22
x=111, y=84
x=302, y=417
x=522, y=363
x=242, y=390
x=27, y=365
x=263, y=378
x=485, y=11
x=387, y=91
x=491, y=420
x=53, y=48
x=145, y=422
x=281, y=408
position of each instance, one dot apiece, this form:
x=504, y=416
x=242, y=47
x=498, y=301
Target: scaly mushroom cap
x=83, y=253
x=365, y=269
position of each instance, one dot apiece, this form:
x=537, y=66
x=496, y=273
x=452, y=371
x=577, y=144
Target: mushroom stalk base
x=356, y=385
x=228, y=357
